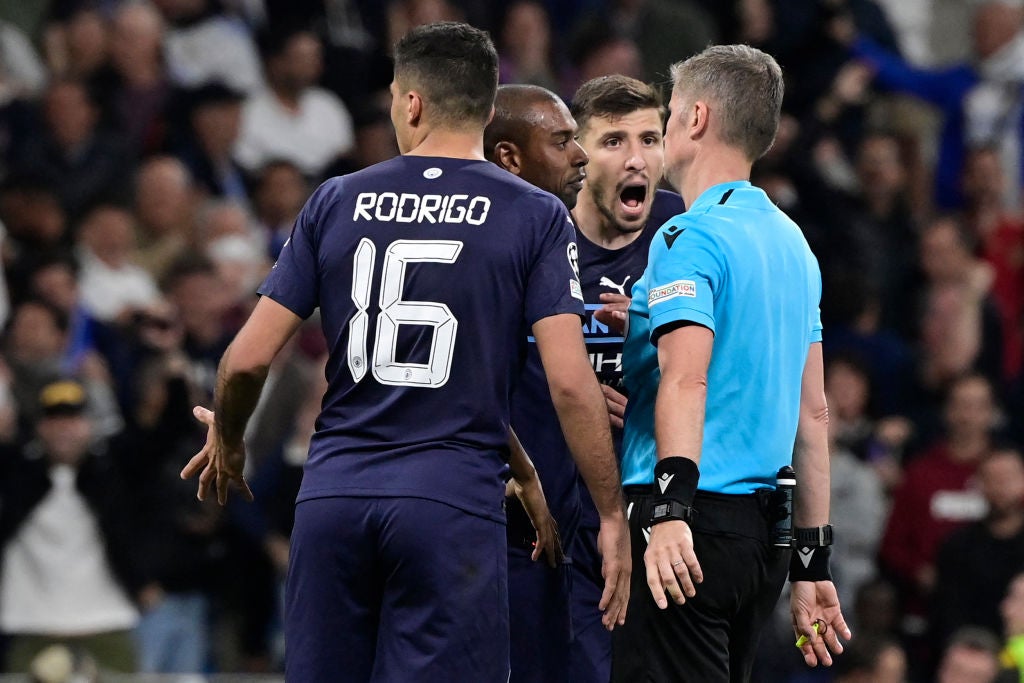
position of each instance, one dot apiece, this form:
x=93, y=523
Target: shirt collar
x=713, y=195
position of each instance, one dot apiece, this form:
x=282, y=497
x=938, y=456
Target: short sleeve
x=294, y=282
x=815, y=303
x=553, y=282
x=683, y=273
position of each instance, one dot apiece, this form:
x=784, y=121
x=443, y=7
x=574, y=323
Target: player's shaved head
x=516, y=111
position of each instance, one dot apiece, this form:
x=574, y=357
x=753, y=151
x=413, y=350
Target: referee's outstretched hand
x=217, y=465
x=813, y=602
x=672, y=565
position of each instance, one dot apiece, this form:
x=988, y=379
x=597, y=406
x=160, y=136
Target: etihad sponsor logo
x=671, y=291
x=428, y=208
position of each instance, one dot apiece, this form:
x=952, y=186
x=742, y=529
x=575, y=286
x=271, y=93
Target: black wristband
x=666, y=510
x=675, y=478
x=815, y=536
x=810, y=563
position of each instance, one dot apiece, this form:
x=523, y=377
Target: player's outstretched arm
x=814, y=599
x=527, y=488
x=240, y=377
x=584, y=418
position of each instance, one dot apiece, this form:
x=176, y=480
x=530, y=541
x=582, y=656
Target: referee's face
x=627, y=160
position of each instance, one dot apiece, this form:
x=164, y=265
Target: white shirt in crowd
x=55, y=577
x=312, y=137
x=106, y=291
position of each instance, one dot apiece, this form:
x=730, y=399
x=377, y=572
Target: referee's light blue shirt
x=737, y=265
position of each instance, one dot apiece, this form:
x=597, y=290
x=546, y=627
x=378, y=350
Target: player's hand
x=615, y=312
x=218, y=465
x=616, y=406
x=671, y=563
x=817, y=601
x=616, y=567
x=549, y=544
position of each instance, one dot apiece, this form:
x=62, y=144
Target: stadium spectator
x=68, y=572
x=72, y=153
x=280, y=190
x=22, y=73
x=527, y=53
x=214, y=124
x=975, y=564
x=165, y=202
x=293, y=118
x=113, y=287
x=971, y=656
x=75, y=41
x=203, y=44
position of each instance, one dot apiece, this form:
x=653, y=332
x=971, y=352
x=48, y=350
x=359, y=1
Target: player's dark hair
x=614, y=96
x=746, y=86
x=454, y=67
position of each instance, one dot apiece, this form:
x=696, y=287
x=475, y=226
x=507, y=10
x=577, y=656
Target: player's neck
x=597, y=227
x=444, y=142
x=710, y=167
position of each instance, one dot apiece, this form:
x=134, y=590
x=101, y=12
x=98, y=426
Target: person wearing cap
x=66, y=573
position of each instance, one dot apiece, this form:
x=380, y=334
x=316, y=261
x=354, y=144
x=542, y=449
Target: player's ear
x=508, y=157
x=414, y=107
x=698, y=119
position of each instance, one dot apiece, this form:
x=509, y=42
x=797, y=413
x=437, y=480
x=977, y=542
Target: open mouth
x=633, y=198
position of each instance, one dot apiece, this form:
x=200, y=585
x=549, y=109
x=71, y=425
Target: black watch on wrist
x=668, y=509
x=813, y=537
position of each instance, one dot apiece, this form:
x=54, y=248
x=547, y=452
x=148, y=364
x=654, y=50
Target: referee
x=723, y=365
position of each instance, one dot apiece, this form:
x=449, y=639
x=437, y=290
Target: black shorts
x=712, y=638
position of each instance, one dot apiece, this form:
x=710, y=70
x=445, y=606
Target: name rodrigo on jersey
x=414, y=208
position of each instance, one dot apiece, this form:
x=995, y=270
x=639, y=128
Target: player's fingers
x=610, y=571
x=623, y=594
x=206, y=477
x=195, y=464
x=243, y=488
x=223, y=479
x=204, y=415
x=615, y=421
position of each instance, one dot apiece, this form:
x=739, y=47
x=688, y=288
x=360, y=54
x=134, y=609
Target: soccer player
x=533, y=136
x=428, y=270
x=620, y=123
x=707, y=433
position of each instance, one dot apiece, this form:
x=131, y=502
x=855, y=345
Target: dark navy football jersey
x=533, y=415
x=428, y=273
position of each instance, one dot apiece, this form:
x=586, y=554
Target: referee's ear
x=508, y=156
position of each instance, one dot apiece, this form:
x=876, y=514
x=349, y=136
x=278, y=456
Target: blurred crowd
x=153, y=156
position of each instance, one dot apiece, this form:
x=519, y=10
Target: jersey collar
x=714, y=194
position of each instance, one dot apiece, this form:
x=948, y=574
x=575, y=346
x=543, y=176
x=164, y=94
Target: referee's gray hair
x=745, y=84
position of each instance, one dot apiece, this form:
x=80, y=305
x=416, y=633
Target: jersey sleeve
x=684, y=271
x=553, y=284
x=294, y=281
x=815, y=303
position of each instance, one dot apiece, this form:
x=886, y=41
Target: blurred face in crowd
x=962, y=664
x=1002, y=481
x=1012, y=608
x=983, y=177
x=217, y=125
x=203, y=301
x=627, y=160
x=109, y=233
x=526, y=32
x=617, y=56
x=66, y=438
x=879, y=166
x=34, y=216
x=55, y=283
x=70, y=115
x=970, y=408
x=891, y=666
x=179, y=9
x=995, y=25
x=550, y=157
x=136, y=37
x=299, y=65
x=34, y=334
x=281, y=192
x=163, y=197
x=944, y=256
x=87, y=41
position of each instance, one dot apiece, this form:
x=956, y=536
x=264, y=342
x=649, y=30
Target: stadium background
x=153, y=157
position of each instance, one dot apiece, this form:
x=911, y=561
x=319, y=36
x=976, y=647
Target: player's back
x=428, y=272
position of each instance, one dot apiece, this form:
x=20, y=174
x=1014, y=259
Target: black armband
x=675, y=484
x=810, y=563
